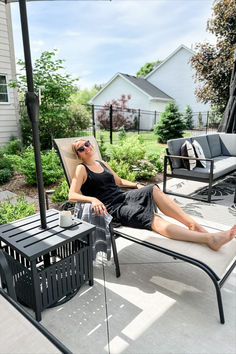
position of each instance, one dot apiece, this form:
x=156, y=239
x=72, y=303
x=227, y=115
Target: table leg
x=36, y=291
x=91, y=282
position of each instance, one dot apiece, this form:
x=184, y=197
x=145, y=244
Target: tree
x=57, y=89
x=188, y=117
x=147, y=68
x=171, y=125
x=214, y=63
x=121, y=114
x=83, y=96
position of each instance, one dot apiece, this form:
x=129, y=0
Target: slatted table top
x=28, y=238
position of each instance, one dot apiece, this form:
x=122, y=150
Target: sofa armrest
x=168, y=157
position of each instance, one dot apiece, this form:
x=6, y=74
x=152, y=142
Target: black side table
x=50, y=264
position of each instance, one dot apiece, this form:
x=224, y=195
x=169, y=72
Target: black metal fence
x=113, y=119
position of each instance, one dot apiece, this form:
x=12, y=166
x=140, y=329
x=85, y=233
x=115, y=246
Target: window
x=4, y=97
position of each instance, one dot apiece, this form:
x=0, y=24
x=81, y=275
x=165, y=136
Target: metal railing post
x=110, y=115
x=93, y=119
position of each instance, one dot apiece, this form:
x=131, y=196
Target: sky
x=97, y=39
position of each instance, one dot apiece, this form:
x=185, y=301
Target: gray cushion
x=202, y=139
x=228, y=144
x=222, y=166
x=214, y=144
x=174, y=148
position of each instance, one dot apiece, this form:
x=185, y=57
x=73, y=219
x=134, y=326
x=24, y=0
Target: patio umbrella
x=228, y=122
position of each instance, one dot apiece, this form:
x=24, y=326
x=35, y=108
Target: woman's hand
x=139, y=185
x=98, y=207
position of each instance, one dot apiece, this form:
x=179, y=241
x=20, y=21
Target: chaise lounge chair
x=218, y=265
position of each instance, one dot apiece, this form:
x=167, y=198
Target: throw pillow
x=187, y=150
x=199, y=153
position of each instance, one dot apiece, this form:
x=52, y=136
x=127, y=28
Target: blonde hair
x=74, y=146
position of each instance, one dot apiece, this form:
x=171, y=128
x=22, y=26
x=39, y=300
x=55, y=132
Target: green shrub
x=61, y=192
x=188, y=118
x=50, y=166
x=6, y=169
x=10, y=212
x=5, y=175
x=122, y=133
x=13, y=147
x=157, y=160
x=123, y=170
x=171, y=125
x=145, y=170
x=130, y=151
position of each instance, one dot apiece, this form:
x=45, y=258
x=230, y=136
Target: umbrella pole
x=32, y=103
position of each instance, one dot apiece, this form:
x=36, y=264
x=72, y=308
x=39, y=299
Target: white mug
x=65, y=218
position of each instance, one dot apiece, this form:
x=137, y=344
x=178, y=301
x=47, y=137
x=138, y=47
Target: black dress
x=134, y=208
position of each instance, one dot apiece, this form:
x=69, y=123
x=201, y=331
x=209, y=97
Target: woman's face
x=84, y=149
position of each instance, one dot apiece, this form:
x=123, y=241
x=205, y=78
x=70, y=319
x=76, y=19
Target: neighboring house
x=9, y=116
x=172, y=80
x=143, y=94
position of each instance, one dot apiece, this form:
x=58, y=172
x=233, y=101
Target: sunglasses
x=81, y=148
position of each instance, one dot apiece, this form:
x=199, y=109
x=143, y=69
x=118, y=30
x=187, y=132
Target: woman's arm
x=75, y=194
x=123, y=182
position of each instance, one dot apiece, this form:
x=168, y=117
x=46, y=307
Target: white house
x=172, y=80
x=9, y=116
x=144, y=96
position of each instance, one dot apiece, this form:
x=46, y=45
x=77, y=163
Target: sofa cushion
x=228, y=144
x=188, y=151
x=222, y=166
x=199, y=153
x=202, y=139
x=174, y=148
x=214, y=144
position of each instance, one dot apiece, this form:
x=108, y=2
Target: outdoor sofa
x=219, y=154
x=217, y=265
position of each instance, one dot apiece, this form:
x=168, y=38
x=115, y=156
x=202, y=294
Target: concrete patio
x=158, y=305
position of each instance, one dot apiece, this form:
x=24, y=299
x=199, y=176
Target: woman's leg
x=168, y=207
x=176, y=232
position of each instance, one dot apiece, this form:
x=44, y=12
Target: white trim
x=162, y=99
x=182, y=46
x=8, y=90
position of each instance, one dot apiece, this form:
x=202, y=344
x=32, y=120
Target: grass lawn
x=150, y=140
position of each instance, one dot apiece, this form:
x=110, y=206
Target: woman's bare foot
x=220, y=238
x=197, y=227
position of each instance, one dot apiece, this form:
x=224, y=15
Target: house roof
x=146, y=86
x=182, y=46
x=142, y=84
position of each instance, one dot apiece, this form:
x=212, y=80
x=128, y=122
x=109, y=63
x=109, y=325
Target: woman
x=96, y=183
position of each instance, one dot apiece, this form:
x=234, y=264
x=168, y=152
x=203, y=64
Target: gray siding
x=9, y=117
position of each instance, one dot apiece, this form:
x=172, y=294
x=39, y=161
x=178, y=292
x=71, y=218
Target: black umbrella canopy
x=228, y=122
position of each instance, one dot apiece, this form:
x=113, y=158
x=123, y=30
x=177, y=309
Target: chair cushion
x=202, y=139
x=174, y=148
x=228, y=144
x=214, y=144
x=187, y=150
x=222, y=166
x=199, y=153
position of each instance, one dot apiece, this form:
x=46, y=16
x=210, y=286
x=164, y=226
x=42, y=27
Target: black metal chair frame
x=115, y=233
x=210, y=180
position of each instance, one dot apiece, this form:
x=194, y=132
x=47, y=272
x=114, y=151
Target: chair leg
x=115, y=255
x=209, y=192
